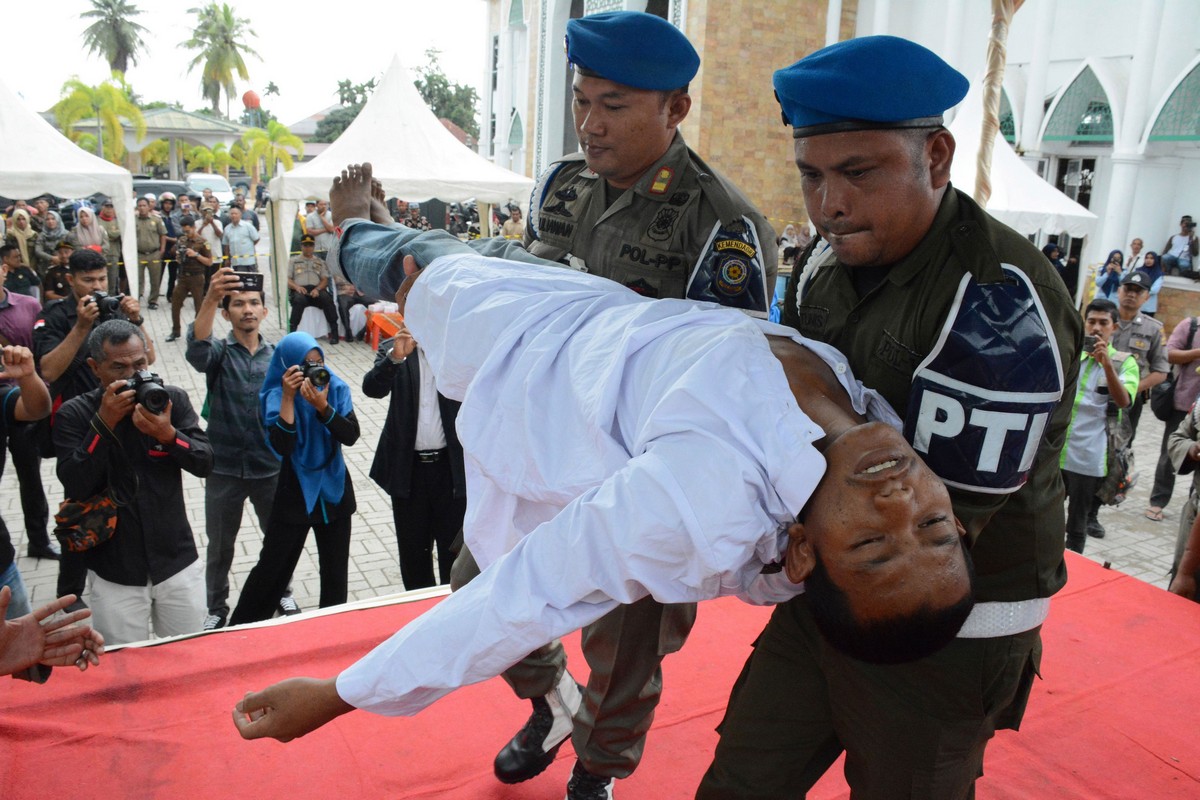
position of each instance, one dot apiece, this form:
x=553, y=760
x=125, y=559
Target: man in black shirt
x=147, y=578
x=59, y=338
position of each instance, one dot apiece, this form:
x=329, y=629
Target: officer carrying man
x=639, y=207
x=966, y=329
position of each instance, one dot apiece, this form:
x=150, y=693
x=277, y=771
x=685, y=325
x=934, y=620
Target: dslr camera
x=109, y=305
x=149, y=391
x=316, y=373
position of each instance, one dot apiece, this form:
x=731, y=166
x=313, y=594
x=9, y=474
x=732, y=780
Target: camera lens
x=316, y=374
x=153, y=397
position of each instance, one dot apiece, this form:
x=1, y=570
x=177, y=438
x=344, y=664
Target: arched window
x=1179, y=120
x=1083, y=114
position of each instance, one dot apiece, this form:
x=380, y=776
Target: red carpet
x=1115, y=716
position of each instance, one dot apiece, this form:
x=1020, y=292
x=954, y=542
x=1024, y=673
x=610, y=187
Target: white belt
x=991, y=620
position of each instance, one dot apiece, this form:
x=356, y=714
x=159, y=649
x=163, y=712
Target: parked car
x=198, y=181
x=155, y=186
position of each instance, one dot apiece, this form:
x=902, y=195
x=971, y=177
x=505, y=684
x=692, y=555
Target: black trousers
x=345, y=303
x=27, y=462
x=1164, y=473
x=323, y=301
x=1081, y=494
x=431, y=513
x=283, y=542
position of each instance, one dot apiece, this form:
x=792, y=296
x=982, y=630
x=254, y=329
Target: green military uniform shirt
x=651, y=236
x=1017, y=538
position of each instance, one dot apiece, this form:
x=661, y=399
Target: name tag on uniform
x=981, y=399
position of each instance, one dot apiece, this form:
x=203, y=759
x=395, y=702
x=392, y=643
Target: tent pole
x=993, y=80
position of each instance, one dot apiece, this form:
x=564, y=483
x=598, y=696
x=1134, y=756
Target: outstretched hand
x=40, y=637
x=289, y=709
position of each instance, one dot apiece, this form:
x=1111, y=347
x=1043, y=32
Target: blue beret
x=633, y=49
x=866, y=84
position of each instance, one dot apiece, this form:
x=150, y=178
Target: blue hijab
x=317, y=459
x=1155, y=272
x=1109, y=281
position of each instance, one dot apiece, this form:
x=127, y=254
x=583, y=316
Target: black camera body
x=109, y=305
x=316, y=373
x=148, y=389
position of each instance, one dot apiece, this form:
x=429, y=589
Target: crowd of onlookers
x=271, y=429
x=1129, y=362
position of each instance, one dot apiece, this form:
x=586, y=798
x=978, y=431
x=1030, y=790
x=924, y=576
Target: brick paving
x=374, y=568
x=1134, y=545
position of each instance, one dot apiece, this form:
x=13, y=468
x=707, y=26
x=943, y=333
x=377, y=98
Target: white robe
x=616, y=447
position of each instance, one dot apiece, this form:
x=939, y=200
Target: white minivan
x=198, y=181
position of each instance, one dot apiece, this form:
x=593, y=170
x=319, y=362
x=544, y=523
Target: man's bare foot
x=350, y=195
x=379, y=209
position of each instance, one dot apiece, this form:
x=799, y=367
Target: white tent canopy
x=38, y=159
x=412, y=153
x=1019, y=199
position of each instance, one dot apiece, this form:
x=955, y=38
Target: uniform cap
x=632, y=48
x=307, y=239
x=870, y=83
x=1137, y=278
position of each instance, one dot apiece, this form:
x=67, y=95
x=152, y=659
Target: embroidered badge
x=568, y=194
x=663, y=224
x=662, y=181
x=679, y=199
x=732, y=276
x=643, y=287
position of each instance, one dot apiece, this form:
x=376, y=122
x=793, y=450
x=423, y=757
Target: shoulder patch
x=978, y=420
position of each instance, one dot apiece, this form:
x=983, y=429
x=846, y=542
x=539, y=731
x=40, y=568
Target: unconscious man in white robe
x=619, y=447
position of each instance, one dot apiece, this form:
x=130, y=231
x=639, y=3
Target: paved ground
x=1134, y=544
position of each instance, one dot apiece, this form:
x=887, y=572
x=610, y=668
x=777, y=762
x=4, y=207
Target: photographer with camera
x=244, y=468
x=131, y=438
x=194, y=259
x=314, y=491
x=1106, y=376
x=59, y=345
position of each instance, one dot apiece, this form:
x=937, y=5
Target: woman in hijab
x=1152, y=266
x=1108, y=277
x=22, y=234
x=88, y=233
x=45, y=246
x=307, y=422
x=788, y=239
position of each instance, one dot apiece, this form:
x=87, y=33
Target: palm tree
x=269, y=146
x=157, y=153
x=224, y=158
x=199, y=158
x=114, y=35
x=219, y=37
x=108, y=105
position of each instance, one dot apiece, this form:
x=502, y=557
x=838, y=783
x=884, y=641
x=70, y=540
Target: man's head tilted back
x=880, y=551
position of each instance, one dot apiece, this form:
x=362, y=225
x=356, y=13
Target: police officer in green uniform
x=967, y=331
x=639, y=207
